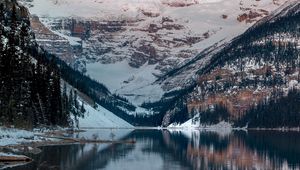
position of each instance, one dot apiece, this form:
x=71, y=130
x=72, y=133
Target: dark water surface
x=164, y=150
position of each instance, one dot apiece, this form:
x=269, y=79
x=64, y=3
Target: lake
x=174, y=149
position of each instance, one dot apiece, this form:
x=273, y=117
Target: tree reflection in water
x=164, y=149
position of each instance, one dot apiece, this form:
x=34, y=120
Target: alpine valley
x=174, y=60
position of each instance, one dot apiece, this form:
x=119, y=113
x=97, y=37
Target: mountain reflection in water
x=169, y=149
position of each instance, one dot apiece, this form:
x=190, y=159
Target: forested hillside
x=252, y=79
x=30, y=86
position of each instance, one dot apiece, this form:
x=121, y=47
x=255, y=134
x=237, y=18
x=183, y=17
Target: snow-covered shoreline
x=12, y=136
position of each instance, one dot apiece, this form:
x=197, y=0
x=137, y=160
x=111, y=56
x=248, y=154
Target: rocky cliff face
x=52, y=42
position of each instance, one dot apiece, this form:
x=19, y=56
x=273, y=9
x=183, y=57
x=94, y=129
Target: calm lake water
x=164, y=150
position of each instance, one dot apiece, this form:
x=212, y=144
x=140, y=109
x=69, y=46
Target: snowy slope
x=152, y=37
x=95, y=117
x=101, y=118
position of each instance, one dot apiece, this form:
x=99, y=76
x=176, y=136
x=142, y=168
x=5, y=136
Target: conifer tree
x=82, y=109
x=2, y=13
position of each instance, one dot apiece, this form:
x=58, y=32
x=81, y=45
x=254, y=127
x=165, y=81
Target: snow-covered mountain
x=129, y=45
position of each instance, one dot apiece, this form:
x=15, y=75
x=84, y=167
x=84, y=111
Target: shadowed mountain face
x=155, y=149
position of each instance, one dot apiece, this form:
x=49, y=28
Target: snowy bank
x=195, y=123
x=14, y=136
